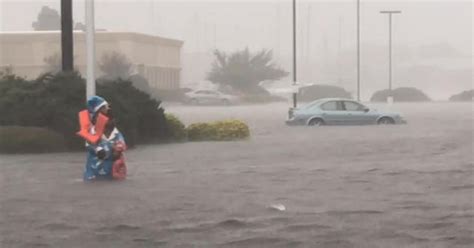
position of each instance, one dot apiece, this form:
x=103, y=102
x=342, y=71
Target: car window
x=312, y=104
x=331, y=106
x=353, y=106
x=200, y=92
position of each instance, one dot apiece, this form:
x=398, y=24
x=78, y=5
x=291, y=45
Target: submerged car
x=210, y=97
x=336, y=111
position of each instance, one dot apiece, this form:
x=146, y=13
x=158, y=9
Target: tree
x=115, y=65
x=53, y=63
x=464, y=96
x=80, y=26
x=6, y=71
x=48, y=19
x=243, y=71
x=314, y=92
x=140, y=82
x=402, y=94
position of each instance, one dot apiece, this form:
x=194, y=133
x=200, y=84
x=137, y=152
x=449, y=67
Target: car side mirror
x=366, y=110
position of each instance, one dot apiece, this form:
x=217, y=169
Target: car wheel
x=386, y=121
x=316, y=122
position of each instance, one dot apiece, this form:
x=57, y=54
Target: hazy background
x=432, y=40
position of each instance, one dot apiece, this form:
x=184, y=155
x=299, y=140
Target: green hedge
x=16, y=139
x=176, y=128
x=226, y=130
x=53, y=101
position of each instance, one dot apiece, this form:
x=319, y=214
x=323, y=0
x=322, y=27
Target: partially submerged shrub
x=176, y=129
x=200, y=131
x=465, y=96
x=231, y=130
x=17, y=139
x=226, y=130
x=403, y=94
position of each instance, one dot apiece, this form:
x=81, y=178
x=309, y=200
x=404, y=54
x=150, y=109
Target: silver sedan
x=336, y=111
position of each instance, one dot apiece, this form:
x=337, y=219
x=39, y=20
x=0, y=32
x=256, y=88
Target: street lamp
x=390, y=12
x=294, y=53
x=358, y=50
x=90, y=49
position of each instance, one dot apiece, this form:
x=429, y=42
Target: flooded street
x=359, y=186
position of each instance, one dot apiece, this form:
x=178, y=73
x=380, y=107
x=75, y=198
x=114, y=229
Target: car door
x=214, y=97
x=358, y=114
x=200, y=96
x=207, y=96
x=332, y=113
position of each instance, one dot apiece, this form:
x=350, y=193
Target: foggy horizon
x=425, y=34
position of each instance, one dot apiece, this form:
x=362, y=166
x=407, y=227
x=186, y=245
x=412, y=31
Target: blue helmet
x=94, y=103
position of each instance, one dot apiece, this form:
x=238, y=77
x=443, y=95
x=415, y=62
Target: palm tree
x=243, y=71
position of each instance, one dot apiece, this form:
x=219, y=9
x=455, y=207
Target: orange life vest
x=86, y=125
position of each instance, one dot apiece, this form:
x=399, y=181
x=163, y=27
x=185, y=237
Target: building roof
x=99, y=36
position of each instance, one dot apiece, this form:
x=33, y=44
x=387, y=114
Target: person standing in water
x=104, y=142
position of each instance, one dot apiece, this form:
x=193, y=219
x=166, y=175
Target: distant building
x=156, y=58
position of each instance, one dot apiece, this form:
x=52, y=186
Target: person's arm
x=99, y=150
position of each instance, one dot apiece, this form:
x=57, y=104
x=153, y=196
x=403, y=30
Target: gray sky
x=422, y=22
x=326, y=29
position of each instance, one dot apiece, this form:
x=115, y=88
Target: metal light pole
x=66, y=36
x=358, y=50
x=294, y=53
x=390, y=12
x=90, y=47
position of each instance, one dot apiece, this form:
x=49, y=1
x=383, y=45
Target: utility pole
x=67, y=47
x=390, y=12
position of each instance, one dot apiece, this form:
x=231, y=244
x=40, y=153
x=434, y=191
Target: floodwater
x=362, y=186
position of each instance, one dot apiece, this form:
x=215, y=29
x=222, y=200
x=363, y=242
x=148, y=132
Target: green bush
x=16, y=139
x=139, y=117
x=53, y=101
x=226, y=130
x=231, y=130
x=176, y=128
x=200, y=131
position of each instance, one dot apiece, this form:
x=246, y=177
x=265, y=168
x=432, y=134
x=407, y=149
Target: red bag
x=119, y=169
